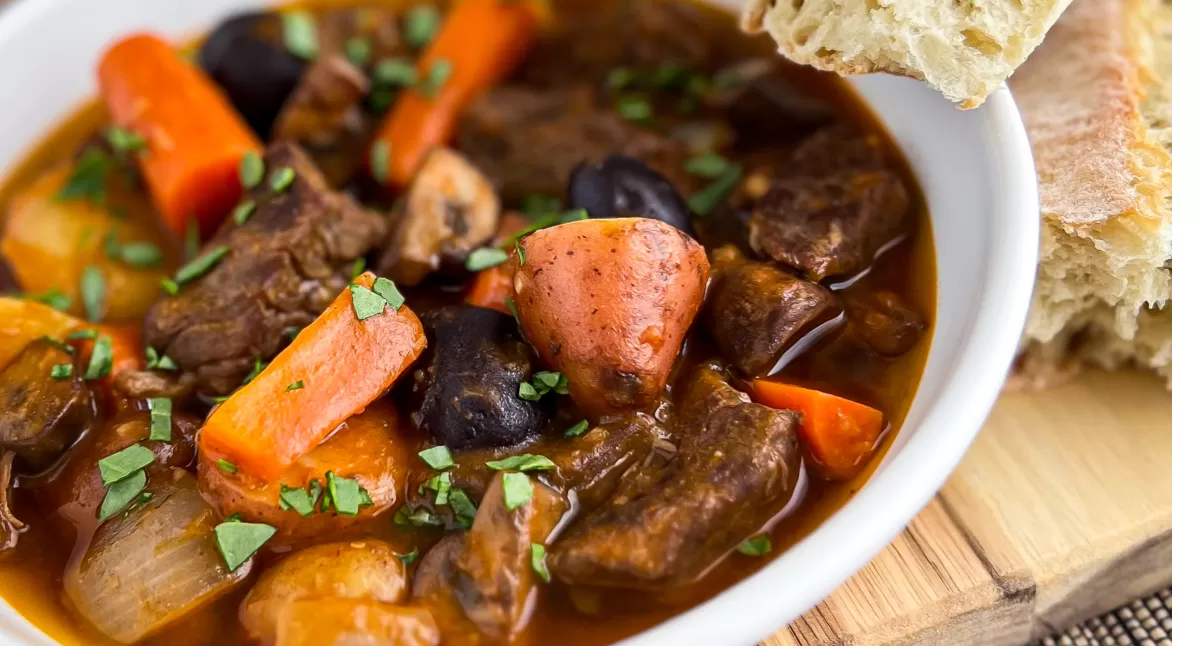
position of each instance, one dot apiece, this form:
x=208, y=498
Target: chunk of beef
x=766, y=107
x=40, y=415
x=284, y=266
x=485, y=575
x=479, y=362
x=833, y=207
x=737, y=464
x=325, y=116
x=621, y=186
x=528, y=141
x=590, y=466
x=757, y=312
x=450, y=210
x=151, y=384
x=884, y=322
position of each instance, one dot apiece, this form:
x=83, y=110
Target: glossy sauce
x=31, y=576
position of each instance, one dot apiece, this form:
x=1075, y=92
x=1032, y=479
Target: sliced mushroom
x=451, y=209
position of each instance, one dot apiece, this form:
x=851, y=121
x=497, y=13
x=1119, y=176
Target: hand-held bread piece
x=1094, y=109
x=965, y=50
x=608, y=302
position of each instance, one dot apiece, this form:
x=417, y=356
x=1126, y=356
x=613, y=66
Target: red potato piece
x=365, y=447
x=321, y=622
x=351, y=570
x=608, y=302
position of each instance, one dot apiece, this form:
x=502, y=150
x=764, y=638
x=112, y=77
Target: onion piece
x=145, y=569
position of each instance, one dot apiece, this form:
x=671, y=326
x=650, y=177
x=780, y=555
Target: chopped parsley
x=360, y=265
x=83, y=335
x=282, y=178
x=358, y=50
x=243, y=211
x=708, y=165
x=381, y=152
x=416, y=518
x=121, y=493
x=154, y=361
x=710, y=197
x=437, y=457
x=300, y=34
x=387, y=289
x=518, y=489
x=537, y=558
x=463, y=507
x=61, y=371
x=169, y=286
x=255, y=371
x=140, y=255
x=295, y=385
x=92, y=291
x=124, y=141
x=201, y=265
x=227, y=466
x=635, y=108
x=124, y=463
x=520, y=248
x=395, y=72
x=238, y=541
x=299, y=499
x=251, y=169
x=573, y=215
x=524, y=462
x=100, y=363
x=160, y=419
x=543, y=383
x=485, y=258
x=756, y=546
x=52, y=298
x=577, y=429
x=365, y=302
x=345, y=494
x=621, y=77
x=58, y=344
x=191, y=238
x=88, y=177
x=439, y=72
x=421, y=24
x=410, y=558
x=439, y=485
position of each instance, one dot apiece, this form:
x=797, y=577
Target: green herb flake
x=437, y=457
x=58, y=344
x=251, y=169
x=61, y=371
x=51, y=298
x=548, y=381
x=344, y=494
x=124, y=141
x=395, y=72
x=528, y=392
x=573, y=215
x=485, y=258
x=141, y=255
x=577, y=429
x=227, y=466
x=540, y=206
x=537, y=558
x=439, y=72
x=421, y=24
x=710, y=197
x=124, y=463
x=160, y=419
x=381, y=98
x=360, y=265
x=416, y=518
x=635, y=108
x=297, y=498
x=518, y=489
x=520, y=254
x=154, y=361
x=100, y=363
x=191, y=238
x=621, y=77
x=381, y=153
x=290, y=333
x=112, y=248
x=169, y=286
x=83, y=335
x=243, y=211
x=756, y=546
x=238, y=541
x=88, y=177
x=201, y=265
x=139, y=502
x=366, y=303
x=122, y=493
x=358, y=50
x=410, y=558
x=282, y=178
x=440, y=485
x=387, y=289
x=524, y=462
x=92, y=291
x=463, y=507
x=295, y=385
x=300, y=34
x=709, y=165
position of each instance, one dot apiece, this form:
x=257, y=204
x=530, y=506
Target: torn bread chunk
x=1095, y=99
x=965, y=50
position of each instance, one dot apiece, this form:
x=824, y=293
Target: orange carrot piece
x=841, y=434
x=194, y=137
x=333, y=370
x=22, y=321
x=493, y=288
x=481, y=40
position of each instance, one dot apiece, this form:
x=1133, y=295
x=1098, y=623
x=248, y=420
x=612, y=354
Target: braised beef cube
x=502, y=130
x=151, y=384
x=473, y=381
x=44, y=404
x=737, y=465
x=832, y=208
x=884, y=322
x=621, y=186
x=451, y=209
x=758, y=312
x=486, y=575
x=766, y=107
x=284, y=266
x=324, y=115
x=591, y=466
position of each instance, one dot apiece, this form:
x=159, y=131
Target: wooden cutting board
x=1060, y=511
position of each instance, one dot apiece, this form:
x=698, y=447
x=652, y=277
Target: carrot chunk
x=841, y=434
x=194, y=139
x=481, y=41
x=336, y=367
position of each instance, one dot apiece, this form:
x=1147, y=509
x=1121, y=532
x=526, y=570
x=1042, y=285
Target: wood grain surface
x=1060, y=511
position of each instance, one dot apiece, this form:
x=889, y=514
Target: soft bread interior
x=965, y=50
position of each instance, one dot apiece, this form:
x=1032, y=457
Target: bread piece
x=965, y=50
x=1095, y=98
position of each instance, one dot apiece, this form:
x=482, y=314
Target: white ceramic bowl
x=976, y=171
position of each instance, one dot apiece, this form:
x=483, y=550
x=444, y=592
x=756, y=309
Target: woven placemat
x=1145, y=622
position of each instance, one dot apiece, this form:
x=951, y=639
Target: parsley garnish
x=437, y=457
x=387, y=289
x=358, y=50
x=710, y=197
x=201, y=265
x=537, y=558
x=251, y=169
x=282, y=178
x=524, y=462
x=635, y=108
x=395, y=72
x=124, y=141
x=295, y=385
x=92, y=292
x=238, y=541
x=121, y=493
x=52, y=298
x=88, y=177
x=518, y=489
x=439, y=72
x=243, y=211
x=421, y=24
x=484, y=258
x=124, y=463
x=381, y=152
x=100, y=363
x=160, y=419
x=756, y=546
x=227, y=466
x=577, y=429
x=543, y=383
x=300, y=34
x=61, y=371
x=365, y=302
x=410, y=558
x=708, y=165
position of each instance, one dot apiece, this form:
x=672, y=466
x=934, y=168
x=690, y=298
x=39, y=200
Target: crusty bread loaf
x=965, y=50
x=1095, y=98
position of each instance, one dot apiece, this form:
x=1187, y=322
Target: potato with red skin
x=608, y=302
x=365, y=447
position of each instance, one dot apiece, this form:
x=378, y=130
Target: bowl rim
x=900, y=487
